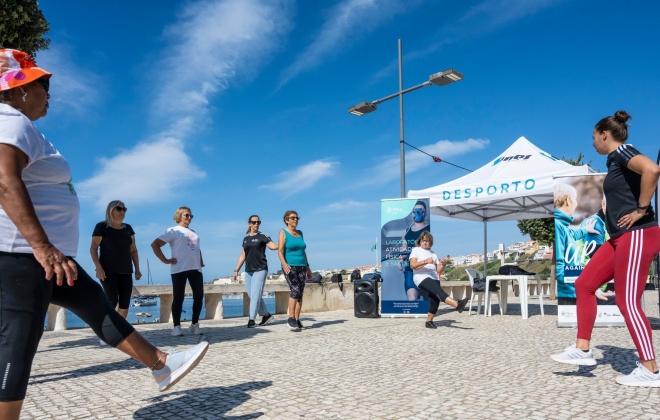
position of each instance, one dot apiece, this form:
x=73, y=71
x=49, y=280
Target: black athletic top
x=255, y=252
x=115, y=248
x=622, y=187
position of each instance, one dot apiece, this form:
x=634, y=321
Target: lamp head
x=445, y=77
x=362, y=108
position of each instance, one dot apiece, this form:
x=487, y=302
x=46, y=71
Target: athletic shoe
x=251, y=324
x=461, y=305
x=293, y=325
x=176, y=331
x=641, y=376
x=178, y=364
x=103, y=343
x=194, y=328
x=574, y=356
x=300, y=325
x=266, y=319
x=430, y=324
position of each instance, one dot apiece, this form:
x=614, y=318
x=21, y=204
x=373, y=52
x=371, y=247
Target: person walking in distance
x=293, y=256
x=256, y=269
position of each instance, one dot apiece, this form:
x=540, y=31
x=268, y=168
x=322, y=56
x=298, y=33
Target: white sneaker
x=641, y=376
x=176, y=331
x=194, y=328
x=178, y=364
x=574, y=356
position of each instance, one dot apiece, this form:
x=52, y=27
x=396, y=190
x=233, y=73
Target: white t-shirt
x=429, y=269
x=184, y=244
x=47, y=177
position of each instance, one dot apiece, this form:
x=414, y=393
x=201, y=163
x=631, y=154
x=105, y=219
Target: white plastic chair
x=474, y=274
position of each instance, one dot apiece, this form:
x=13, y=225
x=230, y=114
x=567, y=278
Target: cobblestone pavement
x=348, y=368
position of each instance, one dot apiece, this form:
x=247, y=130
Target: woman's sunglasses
x=294, y=218
x=120, y=208
x=187, y=216
x=45, y=83
x=255, y=222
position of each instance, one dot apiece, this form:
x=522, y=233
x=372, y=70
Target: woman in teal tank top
x=294, y=264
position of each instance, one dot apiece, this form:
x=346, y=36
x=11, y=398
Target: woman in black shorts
x=114, y=267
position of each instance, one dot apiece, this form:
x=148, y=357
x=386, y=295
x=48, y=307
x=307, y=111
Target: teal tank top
x=294, y=250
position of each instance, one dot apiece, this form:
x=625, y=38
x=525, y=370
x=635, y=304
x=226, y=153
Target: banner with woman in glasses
x=402, y=221
x=579, y=231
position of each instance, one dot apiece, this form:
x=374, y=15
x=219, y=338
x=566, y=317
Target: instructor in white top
x=186, y=264
x=427, y=269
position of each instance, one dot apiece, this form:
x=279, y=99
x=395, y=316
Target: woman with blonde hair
x=186, y=264
x=114, y=265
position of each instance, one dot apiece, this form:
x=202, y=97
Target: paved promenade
x=348, y=368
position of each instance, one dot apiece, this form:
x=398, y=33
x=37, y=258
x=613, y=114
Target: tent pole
x=485, y=247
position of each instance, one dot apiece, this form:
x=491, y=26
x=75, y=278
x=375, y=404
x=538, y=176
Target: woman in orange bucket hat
x=38, y=239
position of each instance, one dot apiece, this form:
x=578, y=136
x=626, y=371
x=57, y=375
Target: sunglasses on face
x=120, y=208
x=255, y=222
x=294, y=218
x=45, y=83
x=187, y=216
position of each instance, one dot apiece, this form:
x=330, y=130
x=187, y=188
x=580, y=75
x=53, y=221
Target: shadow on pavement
x=449, y=323
x=621, y=359
x=204, y=403
x=86, y=371
x=583, y=371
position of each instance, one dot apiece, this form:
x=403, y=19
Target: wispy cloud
x=73, y=89
x=344, y=205
x=209, y=46
x=347, y=21
x=212, y=43
x=485, y=17
x=303, y=177
x=495, y=13
x=141, y=174
x=416, y=161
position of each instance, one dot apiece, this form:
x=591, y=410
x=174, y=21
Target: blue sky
x=240, y=107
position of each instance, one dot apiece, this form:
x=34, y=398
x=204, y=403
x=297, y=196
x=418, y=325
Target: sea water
x=232, y=308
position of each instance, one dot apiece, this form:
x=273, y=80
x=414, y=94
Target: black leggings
x=118, y=288
x=196, y=281
x=24, y=298
x=296, y=279
x=436, y=294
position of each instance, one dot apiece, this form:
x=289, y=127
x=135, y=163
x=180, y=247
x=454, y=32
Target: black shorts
x=118, y=288
x=24, y=298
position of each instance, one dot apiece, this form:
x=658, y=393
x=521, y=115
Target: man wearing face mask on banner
x=410, y=236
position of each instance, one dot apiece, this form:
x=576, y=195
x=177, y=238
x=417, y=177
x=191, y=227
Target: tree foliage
x=23, y=26
x=540, y=230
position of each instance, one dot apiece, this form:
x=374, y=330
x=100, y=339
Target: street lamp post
x=440, y=79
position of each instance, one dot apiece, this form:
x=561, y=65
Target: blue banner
x=579, y=231
x=402, y=221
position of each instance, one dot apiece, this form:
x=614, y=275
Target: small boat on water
x=145, y=300
x=144, y=314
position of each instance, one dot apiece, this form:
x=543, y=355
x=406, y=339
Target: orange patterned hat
x=17, y=69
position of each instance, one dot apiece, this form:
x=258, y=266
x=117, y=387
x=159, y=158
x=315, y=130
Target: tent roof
x=518, y=184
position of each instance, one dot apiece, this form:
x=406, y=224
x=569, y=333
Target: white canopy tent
x=517, y=185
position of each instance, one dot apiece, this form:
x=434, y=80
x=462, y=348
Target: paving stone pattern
x=342, y=367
